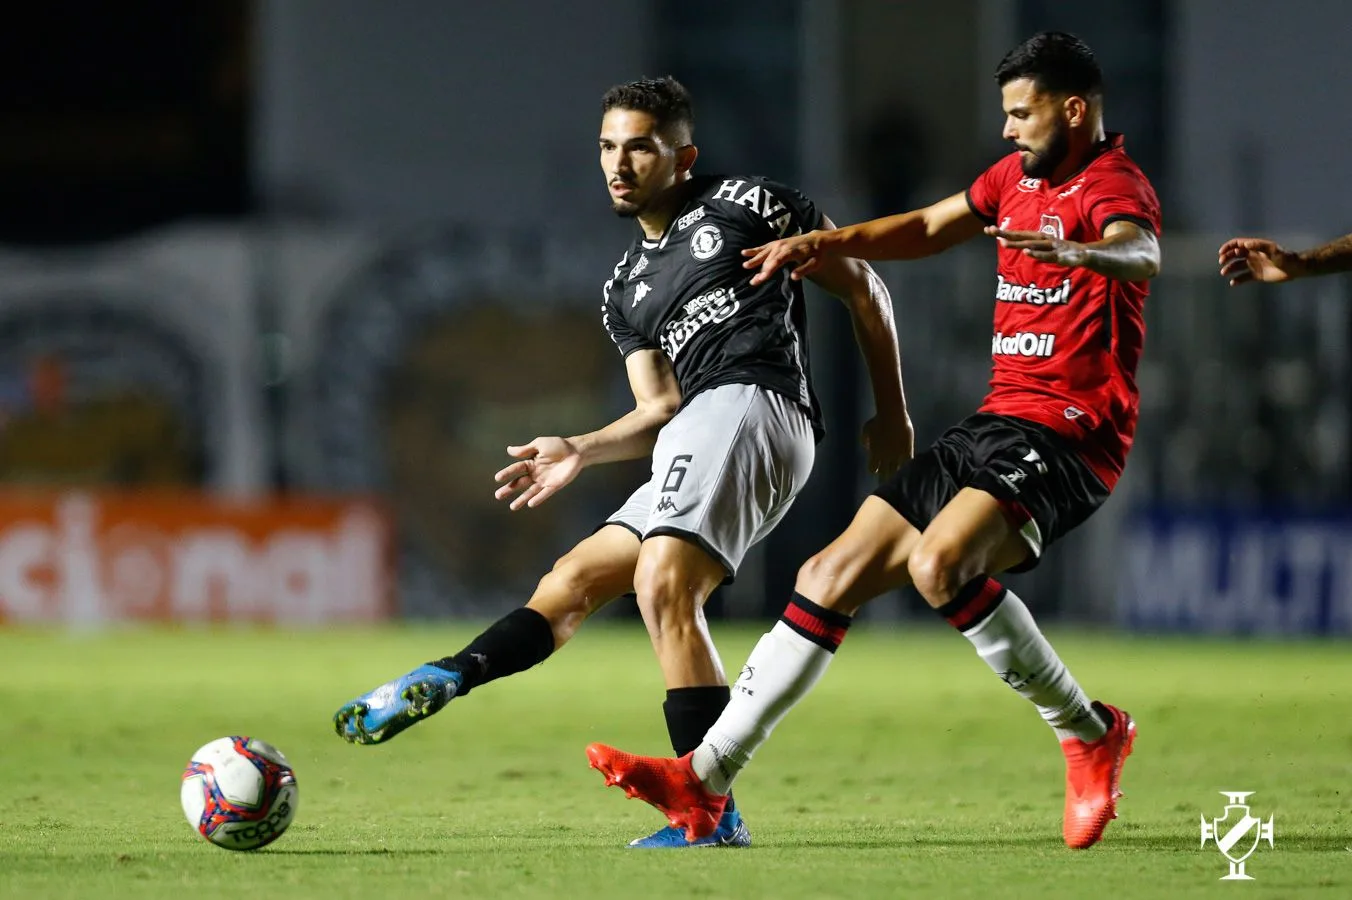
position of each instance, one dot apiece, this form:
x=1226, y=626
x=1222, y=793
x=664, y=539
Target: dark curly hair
x=1056, y=62
x=665, y=99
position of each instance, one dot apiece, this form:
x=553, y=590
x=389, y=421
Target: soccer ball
x=239, y=793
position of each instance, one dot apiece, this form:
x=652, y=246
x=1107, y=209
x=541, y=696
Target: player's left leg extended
x=599, y=569
x=972, y=536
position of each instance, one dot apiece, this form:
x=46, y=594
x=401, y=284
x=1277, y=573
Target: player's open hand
x=890, y=443
x=1042, y=247
x=803, y=252
x=1255, y=259
x=545, y=466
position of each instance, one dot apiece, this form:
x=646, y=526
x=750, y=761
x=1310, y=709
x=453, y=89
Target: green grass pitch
x=911, y=771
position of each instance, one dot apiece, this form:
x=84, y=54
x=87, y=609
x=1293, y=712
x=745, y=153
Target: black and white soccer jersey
x=688, y=295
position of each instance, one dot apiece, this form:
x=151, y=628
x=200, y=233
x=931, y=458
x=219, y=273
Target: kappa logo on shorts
x=666, y=504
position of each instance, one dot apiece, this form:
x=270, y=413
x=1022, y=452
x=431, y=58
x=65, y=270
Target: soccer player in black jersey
x=723, y=405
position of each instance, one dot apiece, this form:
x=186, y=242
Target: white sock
x=780, y=671
x=1011, y=644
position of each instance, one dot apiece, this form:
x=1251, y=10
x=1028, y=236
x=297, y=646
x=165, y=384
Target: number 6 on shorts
x=676, y=474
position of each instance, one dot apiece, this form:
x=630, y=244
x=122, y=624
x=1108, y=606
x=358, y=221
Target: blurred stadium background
x=280, y=279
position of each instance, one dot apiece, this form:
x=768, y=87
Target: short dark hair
x=1056, y=62
x=665, y=99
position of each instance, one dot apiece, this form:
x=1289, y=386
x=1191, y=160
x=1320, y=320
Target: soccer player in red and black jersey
x=1076, y=224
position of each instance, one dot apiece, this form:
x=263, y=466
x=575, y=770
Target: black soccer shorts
x=1043, y=486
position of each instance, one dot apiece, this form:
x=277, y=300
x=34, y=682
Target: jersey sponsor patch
x=706, y=242
x=1022, y=343
x=690, y=218
x=759, y=200
x=1034, y=294
x=713, y=307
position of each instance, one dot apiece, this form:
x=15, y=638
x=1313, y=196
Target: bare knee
x=672, y=588
x=938, y=570
x=566, y=596
x=671, y=606
x=819, y=578
x=828, y=579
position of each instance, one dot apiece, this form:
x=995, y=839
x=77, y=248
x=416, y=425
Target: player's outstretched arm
x=548, y=464
x=1127, y=251
x=1243, y=260
x=910, y=235
x=889, y=438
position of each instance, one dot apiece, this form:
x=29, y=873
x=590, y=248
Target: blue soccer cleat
x=731, y=832
x=396, y=705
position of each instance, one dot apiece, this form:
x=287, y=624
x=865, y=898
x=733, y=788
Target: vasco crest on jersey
x=706, y=241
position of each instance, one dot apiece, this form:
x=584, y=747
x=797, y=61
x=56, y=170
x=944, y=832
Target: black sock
x=690, y=713
x=512, y=644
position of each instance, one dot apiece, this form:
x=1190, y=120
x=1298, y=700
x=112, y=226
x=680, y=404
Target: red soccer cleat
x=668, y=784
x=1092, y=775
